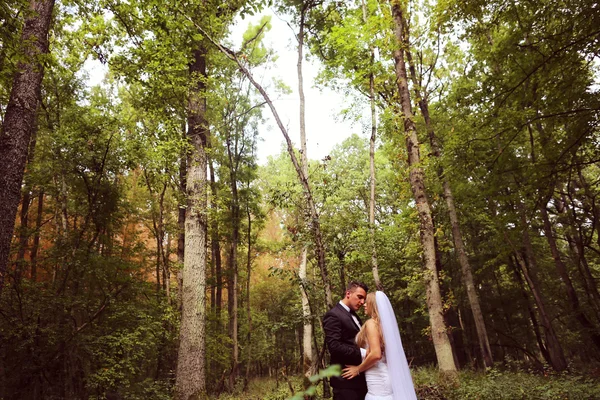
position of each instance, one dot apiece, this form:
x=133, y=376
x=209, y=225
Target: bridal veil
x=399, y=372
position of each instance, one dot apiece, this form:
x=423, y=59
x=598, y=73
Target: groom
x=341, y=325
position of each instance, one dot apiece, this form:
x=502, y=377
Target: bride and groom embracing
x=371, y=354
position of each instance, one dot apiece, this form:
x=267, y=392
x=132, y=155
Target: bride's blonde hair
x=361, y=336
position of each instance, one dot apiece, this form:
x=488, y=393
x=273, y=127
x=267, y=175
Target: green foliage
x=513, y=96
x=523, y=385
x=333, y=370
x=431, y=385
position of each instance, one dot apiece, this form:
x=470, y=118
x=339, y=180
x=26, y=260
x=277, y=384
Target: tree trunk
x=341, y=256
x=181, y=225
x=36, y=237
x=561, y=268
x=576, y=250
x=467, y=275
x=315, y=223
x=555, y=352
x=534, y=322
x=19, y=120
x=162, y=234
x=167, y=268
x=309, y=359
x=158, y=226
x=248, y=308
x=24, y=232
x=190, y=381
x=233, y=262
x=215, y=248
x=578, y=241
x=372, y=181
x=441, y=342
x=593, y=208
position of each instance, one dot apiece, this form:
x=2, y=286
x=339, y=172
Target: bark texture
x=554, y=353
x=561, y=268
x=181, y=224
x=372, y=182
x=19, y=120
x=441, y=342
x=232, y=289
x=190, y=383
x=215, y=249
x=309, y=360
x=459, y=247
x=315, y=223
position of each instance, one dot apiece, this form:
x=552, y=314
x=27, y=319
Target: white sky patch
x=96, y=71
x=324, y=125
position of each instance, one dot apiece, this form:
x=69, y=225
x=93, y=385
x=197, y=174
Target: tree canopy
x=146, y=252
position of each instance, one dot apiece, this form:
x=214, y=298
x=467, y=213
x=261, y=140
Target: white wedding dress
x=379, y=385
x=389, y=378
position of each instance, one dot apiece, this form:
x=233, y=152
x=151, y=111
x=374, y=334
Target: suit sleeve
x=349, y=354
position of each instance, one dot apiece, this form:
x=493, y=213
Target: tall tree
x=422, y=98
x=20, y=118
x=439, y=331
x=314, y=214
x=309, y=352
x=372, y=100
x=190, y=365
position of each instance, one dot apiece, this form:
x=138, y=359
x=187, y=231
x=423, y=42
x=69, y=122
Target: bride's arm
x=373, y=354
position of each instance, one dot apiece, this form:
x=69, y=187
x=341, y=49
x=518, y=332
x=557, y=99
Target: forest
x=146, y=252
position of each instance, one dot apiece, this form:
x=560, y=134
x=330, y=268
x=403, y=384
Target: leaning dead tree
x=314, y=220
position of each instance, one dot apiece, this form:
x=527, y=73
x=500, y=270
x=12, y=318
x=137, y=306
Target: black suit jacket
x=340, y=333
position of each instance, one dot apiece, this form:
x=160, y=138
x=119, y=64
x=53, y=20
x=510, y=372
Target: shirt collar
x=345, y=306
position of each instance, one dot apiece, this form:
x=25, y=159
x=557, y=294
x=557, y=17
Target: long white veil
x=399, y=372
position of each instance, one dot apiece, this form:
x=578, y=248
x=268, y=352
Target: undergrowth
x=494, y=384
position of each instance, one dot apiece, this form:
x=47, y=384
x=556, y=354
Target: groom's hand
x=351, y=371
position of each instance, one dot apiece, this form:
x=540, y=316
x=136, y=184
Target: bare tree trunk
x=215, y=248
x=181, y=225
x=555, y=352
x=467, y=275
x=342, y=261
x=25, y=204
x=163, y=237
x=23, y=233
x=36, y=237
x=309, y=360
x=441, y=342
x=19, y=120
x=576, y=249
x=594, y=209
x=248, y=308
x=561, y=268
x=159, y=234
x=372, y=180
x=167, y=268
x=232, y=290
x=315, y=223
x=579, y=245
x=190, y=382
x=534, y=322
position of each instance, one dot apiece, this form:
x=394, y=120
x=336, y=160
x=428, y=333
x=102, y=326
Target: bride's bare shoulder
x=370, y=323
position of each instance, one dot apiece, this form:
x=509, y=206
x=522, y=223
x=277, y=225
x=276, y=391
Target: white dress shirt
x=352, y=315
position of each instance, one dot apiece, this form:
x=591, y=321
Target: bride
x=385, y=366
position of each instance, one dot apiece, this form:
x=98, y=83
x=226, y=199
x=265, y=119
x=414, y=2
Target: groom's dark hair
x=355, y=284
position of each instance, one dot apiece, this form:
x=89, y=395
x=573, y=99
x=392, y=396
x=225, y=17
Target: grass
x=495, y=384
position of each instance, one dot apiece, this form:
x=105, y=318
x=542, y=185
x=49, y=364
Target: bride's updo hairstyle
x=361, y=336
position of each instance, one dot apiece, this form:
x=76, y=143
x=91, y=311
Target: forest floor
x=495, y=384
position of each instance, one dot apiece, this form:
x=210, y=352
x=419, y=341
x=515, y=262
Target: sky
x=324, y=125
